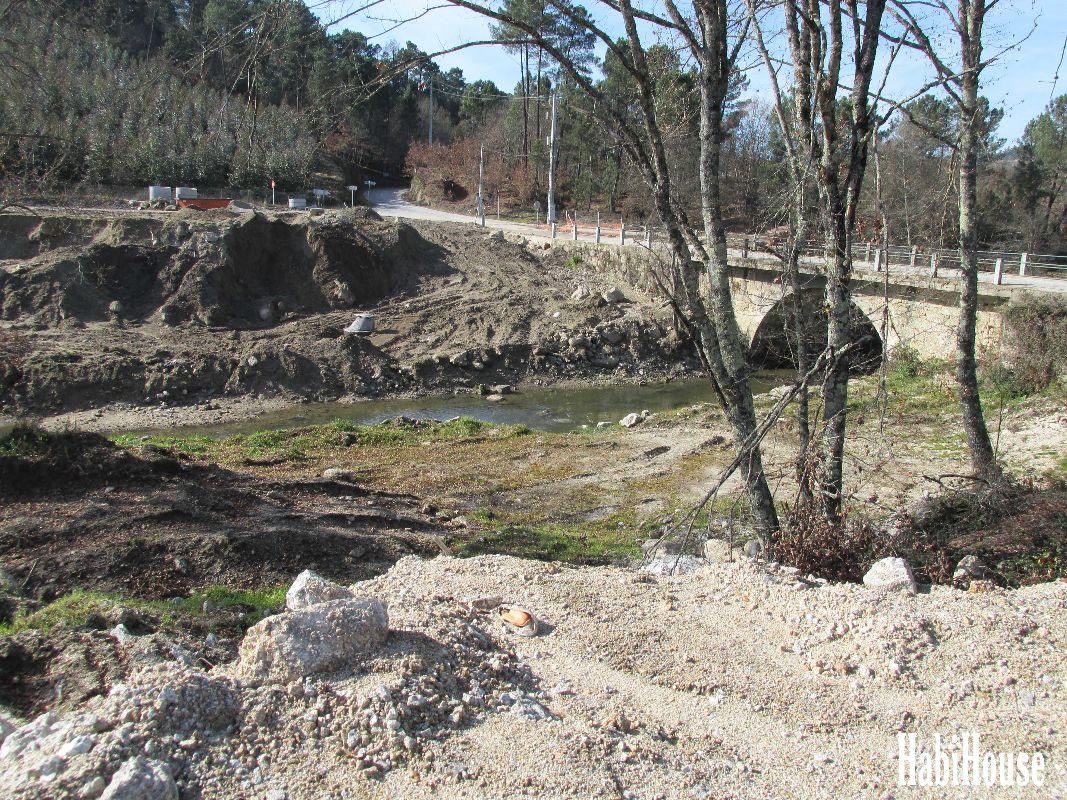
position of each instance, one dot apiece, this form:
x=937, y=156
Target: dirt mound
x=31, y=459
x=187, y=307
x=234, y=271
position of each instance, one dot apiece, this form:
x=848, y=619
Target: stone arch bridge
x=915, y=310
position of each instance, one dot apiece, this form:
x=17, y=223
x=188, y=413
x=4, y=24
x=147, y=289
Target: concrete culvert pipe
x=363, y=323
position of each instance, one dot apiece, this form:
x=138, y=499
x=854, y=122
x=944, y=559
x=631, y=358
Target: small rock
x=339, y=474
x=613, y=295
x=141, y=779
x=309, y=589
x=121, y=633
x=673, y=565
x=631, y=420
x=92, y=788
x=661, y=547
x=77, y=746
x=890, y=573
x=717, y=550
x=969, y=568
x=519, y=620
x=8, y=724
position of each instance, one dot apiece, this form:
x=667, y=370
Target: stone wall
x=922, y=311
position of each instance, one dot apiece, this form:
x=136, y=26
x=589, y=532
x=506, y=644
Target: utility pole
x=481, y=175
x=552, y=165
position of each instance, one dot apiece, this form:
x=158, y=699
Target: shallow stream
x=555, y=409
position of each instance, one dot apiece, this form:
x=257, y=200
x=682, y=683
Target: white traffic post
x=878, y=260
x=574, y=226
x=553, y=230
x=622, y=230
x=1022, y=264
x=933, y=265
x=598, y=227
x=998, y=272
x=914, y=255
x=648, y=237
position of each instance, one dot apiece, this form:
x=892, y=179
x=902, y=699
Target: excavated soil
x=79, y=511
x=190, y=307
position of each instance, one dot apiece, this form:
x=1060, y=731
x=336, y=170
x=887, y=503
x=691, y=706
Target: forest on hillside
x=234, y=93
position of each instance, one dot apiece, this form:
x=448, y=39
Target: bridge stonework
x=922, y=311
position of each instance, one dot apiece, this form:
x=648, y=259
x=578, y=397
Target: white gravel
x=731, y=681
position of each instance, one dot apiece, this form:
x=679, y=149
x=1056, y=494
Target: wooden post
x=867, y=257
x=914, y=254
x=744, y=247
x=998, y=272
x=1022, y=264
x=878, y=260
x=553, y=230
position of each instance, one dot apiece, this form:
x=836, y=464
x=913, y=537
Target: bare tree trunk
x=983, y=459
x=798, y=233
x=835, y=381
x=733, y=382
x=525, y=67
x=732, y=351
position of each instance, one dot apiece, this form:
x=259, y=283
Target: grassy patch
x=74, y=609
x=301, y=444
x=581, y=543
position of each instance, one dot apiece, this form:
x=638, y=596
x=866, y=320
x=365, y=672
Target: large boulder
x=320, y=638
x=141, y=779
x=310, y=589
x=890, y=573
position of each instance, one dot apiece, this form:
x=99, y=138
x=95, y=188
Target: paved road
x=391, y=203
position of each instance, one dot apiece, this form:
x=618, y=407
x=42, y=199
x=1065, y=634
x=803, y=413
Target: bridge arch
x=773, y=343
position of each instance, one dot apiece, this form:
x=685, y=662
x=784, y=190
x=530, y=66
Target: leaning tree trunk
x=983, y=459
